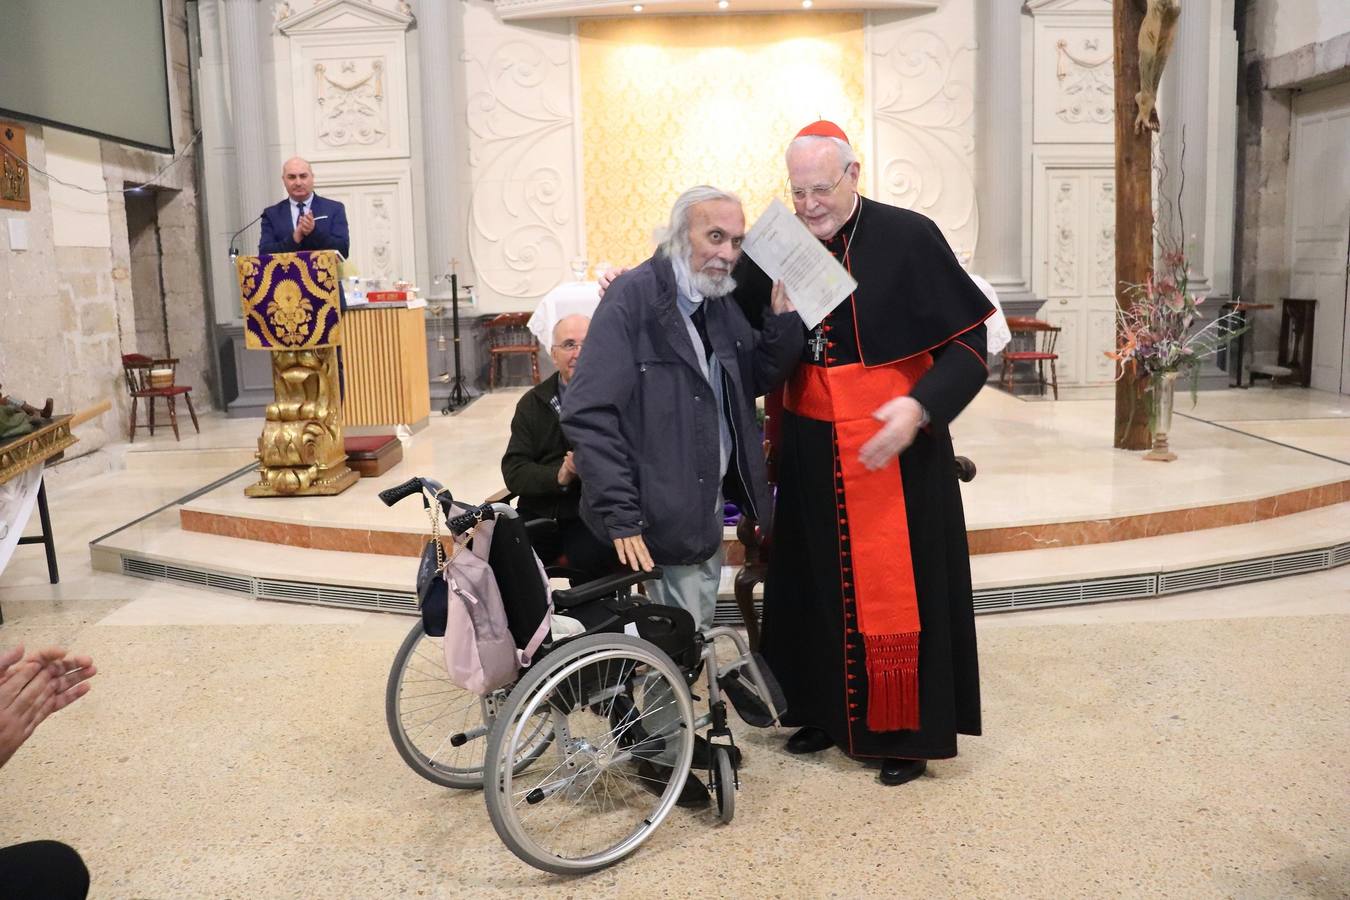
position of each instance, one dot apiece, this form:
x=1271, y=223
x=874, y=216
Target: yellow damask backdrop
x=671, y=102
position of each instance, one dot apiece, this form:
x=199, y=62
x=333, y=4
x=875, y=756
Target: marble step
x=157, y=548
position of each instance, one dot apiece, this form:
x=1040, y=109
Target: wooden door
x=1078, y=256
x=1319, y=225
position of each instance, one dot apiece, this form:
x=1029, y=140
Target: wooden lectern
x=292, y=309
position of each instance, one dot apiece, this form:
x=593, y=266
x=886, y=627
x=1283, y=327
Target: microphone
x=234, y=252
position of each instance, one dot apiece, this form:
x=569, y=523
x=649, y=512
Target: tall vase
x=1163, y=389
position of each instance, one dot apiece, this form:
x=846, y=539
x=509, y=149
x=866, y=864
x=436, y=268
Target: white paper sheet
x=783, y=247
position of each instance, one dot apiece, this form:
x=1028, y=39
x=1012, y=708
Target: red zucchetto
x=823, y=128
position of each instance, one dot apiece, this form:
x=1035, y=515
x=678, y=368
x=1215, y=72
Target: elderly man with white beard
x=661, y=411
x=661, y=417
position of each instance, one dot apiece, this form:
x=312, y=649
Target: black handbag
x=433, y=592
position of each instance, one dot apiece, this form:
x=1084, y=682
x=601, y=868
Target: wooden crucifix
x=1143, y=33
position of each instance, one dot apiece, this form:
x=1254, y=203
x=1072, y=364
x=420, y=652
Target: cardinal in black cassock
x=868, y=617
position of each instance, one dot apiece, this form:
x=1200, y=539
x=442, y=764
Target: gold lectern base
x=300, y=452
x=327, y=487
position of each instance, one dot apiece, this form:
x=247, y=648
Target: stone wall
x=69, y=307
x=1270, y=75
x=58, y=312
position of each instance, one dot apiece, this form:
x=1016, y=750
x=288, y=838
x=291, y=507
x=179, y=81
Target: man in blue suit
x=304, y=220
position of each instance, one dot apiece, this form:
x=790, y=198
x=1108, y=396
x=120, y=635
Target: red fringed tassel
x=892, y=682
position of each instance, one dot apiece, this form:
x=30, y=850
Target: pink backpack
x=480, y=654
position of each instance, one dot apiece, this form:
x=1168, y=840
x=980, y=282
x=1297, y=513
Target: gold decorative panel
x=14, y=188
x=673, y=102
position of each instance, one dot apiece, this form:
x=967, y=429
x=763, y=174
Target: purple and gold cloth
x=290, y=300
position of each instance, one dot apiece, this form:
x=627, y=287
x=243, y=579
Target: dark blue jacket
x=642, y=420
x=328, y=234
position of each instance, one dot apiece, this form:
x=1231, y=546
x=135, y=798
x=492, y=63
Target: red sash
x=872, y=506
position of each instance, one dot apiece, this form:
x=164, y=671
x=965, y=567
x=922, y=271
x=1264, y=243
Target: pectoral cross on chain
x=817, y=344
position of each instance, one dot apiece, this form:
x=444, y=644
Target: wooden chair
x=1041, y=337
x=1297, y=318
x=149, y=378
x=509, y=335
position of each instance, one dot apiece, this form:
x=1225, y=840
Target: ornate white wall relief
x=523, y=219
x=1086, y=78
x=1064, y=235
x=381, y=240
x=379, y=215
x=351, y=103
x=345, y=108
x=1073, y=200
x=923, y=111
x=348, y=91
x=1104, y=235
x=1073, y=81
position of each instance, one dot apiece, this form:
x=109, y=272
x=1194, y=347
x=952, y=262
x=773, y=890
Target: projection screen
x=93, y=66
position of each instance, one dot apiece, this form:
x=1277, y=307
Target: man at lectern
x=304, y=220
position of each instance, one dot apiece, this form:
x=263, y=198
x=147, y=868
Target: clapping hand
x=303, y=226
x=34, y=687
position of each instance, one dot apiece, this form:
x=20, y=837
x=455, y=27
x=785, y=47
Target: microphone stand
x=459, y=396
x=234, y=252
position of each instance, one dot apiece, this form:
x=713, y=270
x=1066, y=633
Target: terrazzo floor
x=244, y=754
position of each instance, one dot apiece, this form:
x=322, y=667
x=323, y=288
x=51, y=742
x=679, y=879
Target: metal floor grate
x=990, y=600
x=274, y=589
x=156, y=571
x=1069, y=593
x=1240, y=572
x=1133, y=587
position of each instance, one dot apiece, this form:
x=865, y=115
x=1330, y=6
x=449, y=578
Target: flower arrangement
x=1155, y=332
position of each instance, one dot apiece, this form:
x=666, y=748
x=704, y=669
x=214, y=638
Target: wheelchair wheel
x=439, y=729
x=724, y=784
x=616, y=703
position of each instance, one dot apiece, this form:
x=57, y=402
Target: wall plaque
x=13, y=168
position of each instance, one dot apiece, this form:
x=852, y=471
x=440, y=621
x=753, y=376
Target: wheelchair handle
x=392, y=495
x=484, y=512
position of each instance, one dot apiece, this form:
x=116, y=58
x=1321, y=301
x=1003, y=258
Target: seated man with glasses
x=538, y=463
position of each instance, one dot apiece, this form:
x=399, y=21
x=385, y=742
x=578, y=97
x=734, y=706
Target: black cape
x=913, y=297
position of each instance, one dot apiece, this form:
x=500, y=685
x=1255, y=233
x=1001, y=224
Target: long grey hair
x=675, y=240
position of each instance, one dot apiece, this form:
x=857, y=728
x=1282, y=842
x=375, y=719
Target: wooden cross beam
x=1134, y=213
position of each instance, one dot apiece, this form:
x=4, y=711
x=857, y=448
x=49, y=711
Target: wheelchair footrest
x=745, y=698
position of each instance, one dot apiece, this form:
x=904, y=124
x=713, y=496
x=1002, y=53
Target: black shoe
x=898, y=771
x=655, y=778
x=703, y=753
x=625, y=724
x=809, y=740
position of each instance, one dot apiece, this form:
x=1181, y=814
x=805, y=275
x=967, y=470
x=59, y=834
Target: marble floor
x=1183, y=746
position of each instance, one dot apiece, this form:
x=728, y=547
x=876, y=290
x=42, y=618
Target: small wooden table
x=22, y=453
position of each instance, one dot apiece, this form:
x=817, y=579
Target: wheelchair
x=560, y=752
